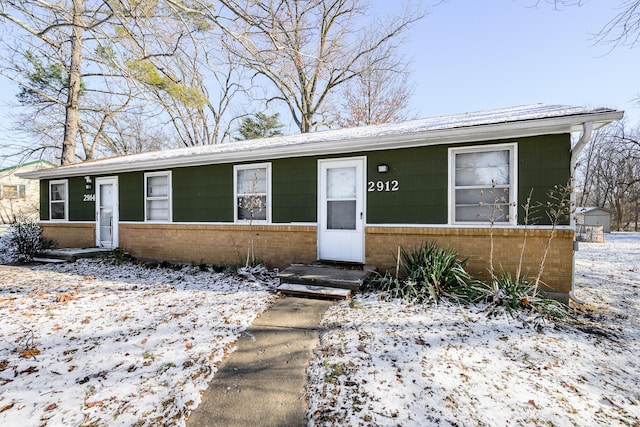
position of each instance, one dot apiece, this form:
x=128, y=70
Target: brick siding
x=70, y=234
x=281, y=245
x=275, y=245
x=475, y=243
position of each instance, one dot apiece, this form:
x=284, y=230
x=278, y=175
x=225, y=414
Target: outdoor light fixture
x=383, y=168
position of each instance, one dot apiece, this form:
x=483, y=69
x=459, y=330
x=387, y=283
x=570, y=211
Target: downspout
x=587, y=130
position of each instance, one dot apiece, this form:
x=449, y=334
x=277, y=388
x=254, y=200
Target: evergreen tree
x=260, y=126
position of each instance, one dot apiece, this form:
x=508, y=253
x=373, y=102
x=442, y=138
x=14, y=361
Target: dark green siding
x=543, y=162
x=131, y=197
x=294, y=190
x=421, y=175
x=203, y=194
x=79, y=209
x=44, y=200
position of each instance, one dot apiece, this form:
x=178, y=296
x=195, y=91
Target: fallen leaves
x=7, y=407
x=570, y=387
x=63, y=297
x=92, y=404
x=88, y=331
x=29, y=353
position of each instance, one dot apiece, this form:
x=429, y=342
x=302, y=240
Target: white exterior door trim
x=347, y=245
x=115, y=212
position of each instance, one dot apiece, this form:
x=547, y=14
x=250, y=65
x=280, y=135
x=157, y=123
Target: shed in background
x=593, y=217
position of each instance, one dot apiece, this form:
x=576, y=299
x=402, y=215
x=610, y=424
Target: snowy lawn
x=96, y=344
x=392, y=364
x=92, y=343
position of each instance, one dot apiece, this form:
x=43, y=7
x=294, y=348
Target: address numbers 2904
x=383, y=186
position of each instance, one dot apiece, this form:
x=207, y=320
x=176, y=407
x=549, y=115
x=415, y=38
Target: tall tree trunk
x=72, y=116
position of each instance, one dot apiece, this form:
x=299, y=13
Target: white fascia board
x=456, y=135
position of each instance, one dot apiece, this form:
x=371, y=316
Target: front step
x=49, y=260
x=71, y=254
x=314, y=291
x=321, y=280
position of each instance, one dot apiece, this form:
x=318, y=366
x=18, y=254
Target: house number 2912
x=381, y=186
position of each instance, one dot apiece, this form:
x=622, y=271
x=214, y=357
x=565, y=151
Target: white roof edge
x=290, y=147
x=586, y=209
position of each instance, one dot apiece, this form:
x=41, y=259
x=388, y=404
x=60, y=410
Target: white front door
x=341, y=209
x=107, y=212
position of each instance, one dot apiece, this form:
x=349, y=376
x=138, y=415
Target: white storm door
x=107, y=212
x=341, y=210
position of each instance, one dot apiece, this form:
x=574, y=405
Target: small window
x=252, y=192
x=58, y=197
x=483, y=184
x=157, y=190
x=12, y=191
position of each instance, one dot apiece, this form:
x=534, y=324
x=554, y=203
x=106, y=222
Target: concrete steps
x=70, y=254
x=322, y=281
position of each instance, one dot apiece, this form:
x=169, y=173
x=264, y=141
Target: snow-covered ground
x=91, y=343
x=390, y=364
x=96, y=344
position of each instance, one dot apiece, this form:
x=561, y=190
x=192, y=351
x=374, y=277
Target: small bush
x=425, y=275
x=429, y=274
x=514, y=295
x=23, y=241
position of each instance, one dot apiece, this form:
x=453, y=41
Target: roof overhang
x=334, y=143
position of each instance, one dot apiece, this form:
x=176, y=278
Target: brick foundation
x=475, y=243
x=274, y=245
x=281, y=245
x=70, y=234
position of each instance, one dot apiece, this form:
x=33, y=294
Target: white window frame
x=237, y=168
x=168, y=197
x=513, y=182
x=19, y=194
x=65, y=201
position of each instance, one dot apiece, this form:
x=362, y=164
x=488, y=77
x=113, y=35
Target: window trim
x=512, y=147
x=65, y=201
x=237, y=168
x=20, y=195
x=169, y=197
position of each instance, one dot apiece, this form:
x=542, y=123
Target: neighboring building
x=20, y=197
x=594, y=217
x=351, y=195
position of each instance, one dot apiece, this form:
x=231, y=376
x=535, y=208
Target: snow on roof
x=365, y=138
x=35, y=163
x=586, y=209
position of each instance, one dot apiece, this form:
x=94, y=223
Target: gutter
x=587, y=131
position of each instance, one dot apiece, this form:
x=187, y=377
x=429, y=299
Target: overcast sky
x=471, y=55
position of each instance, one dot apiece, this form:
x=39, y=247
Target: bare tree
x=306, y=50
x=53, y=34
x=609, y=174
x=378, y=95
x=132, y=133
x=182, y=68
x=622, y=29
x=84, y=66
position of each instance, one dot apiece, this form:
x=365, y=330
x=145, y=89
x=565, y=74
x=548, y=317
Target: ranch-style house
x=349, y=195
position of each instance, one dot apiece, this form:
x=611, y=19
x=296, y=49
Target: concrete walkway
x=262, y=382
